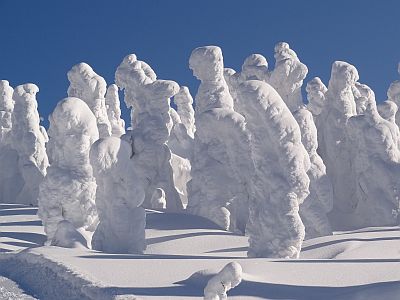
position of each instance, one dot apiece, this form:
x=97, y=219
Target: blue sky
x=42, y=40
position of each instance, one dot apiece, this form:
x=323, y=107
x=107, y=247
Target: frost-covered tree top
x=207, y=65
x=316, y=91
x=184, y=102
x=288, y=75
x=85, y=84
x=114, y=111
x=255, y=67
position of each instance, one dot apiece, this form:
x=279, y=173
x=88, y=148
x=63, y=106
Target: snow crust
x=120, y=192
x=88, y=86
x=69, y=189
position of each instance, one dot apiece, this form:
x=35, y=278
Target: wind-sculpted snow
x=114, y=111
x=151, y=123
x=184, y=102
x=363, y=95
x=68, y=191
x=319, y=202
x=334, y=147
x=120, y=192
x=376, y=167
x=28, y=140
x=280, y=183
x=220, y=165
x=86, y=85
x=388, y=109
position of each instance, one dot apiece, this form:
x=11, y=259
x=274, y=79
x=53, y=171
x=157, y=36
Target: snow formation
x=86, y=85
x=29, y=141
x=228, y=278
x=11, y=181
x=334, y=147
x=376, y=167
x=280, y=182
x=151, y=126
x=184, y=102
x=219, y=166
x=120, y=193
x=69, y=189
x=114, y=111
x=319, y=202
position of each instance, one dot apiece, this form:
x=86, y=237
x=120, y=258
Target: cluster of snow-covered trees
x=251, y=156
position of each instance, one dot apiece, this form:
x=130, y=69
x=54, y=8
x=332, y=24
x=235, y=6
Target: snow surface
x=184, y=252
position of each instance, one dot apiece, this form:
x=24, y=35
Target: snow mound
x=68, y=236
x=228, y=278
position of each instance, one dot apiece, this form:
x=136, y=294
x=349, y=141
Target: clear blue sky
x=42, y=40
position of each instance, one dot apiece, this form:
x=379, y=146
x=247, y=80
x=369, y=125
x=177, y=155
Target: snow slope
x=363, y=264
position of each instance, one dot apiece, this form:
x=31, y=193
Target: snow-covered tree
x=319, y=202
x=120, y=192
x=69, y=189
x=280, y=182
x=29, y=140
x=376, y=168
x=288, y=75
x=334, y=147
x=114, y=111
x=151, y=125
x=86, y=85
x=219, y=165
x=11, y=181
x=184, y=102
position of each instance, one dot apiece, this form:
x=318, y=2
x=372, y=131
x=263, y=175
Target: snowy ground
x=362, y=264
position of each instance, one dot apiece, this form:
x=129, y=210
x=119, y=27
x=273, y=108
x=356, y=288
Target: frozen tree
x=334, y=147
x=220, y=166
x=376, y=168
x=388, y=109
x=314, y=209
x=255, y=67
x=114, y=111
x=288, y=75
x=181, y=145
x=6, y=109
x=120, y=193
x=362, y=96
x=393, y=94
x=184, y=102
x=228, y=278
x=151, y=125
x=316, y=91
x=11, y=181
x=28, y=139
x=85, y=84
x=69, y=189
x=280, y=182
